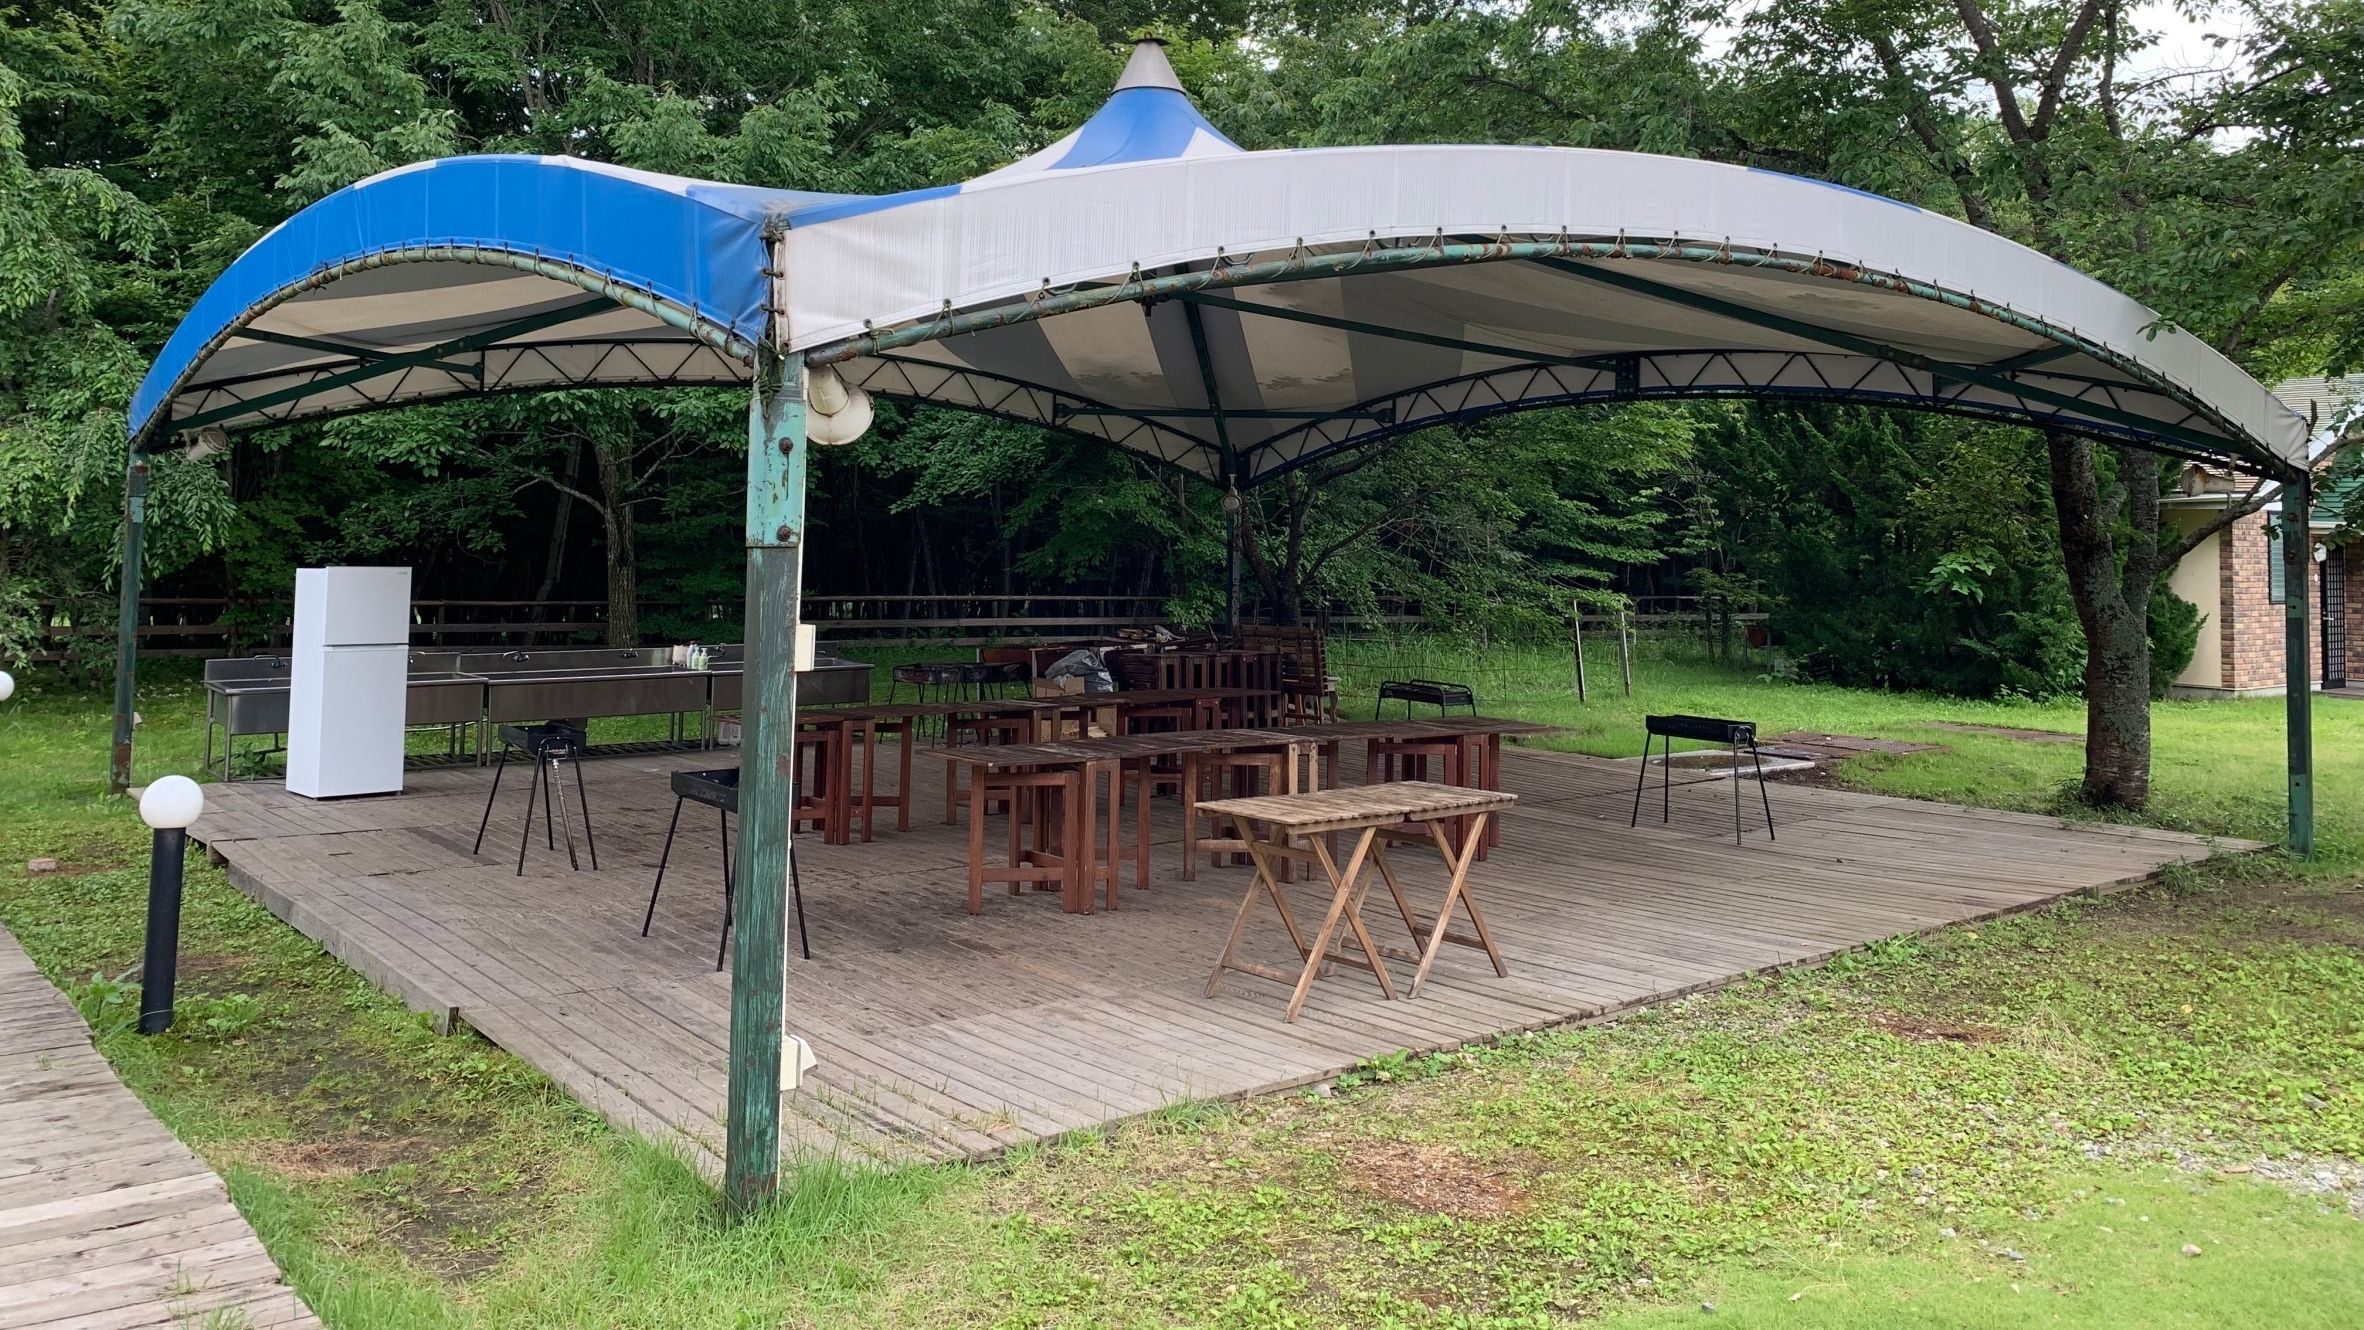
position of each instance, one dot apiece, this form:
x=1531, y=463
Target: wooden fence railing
x=212, y=626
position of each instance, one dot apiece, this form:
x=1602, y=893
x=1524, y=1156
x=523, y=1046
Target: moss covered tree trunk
x=623, y=563
x=2111, y=549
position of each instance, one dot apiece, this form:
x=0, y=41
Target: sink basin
x=534, y=694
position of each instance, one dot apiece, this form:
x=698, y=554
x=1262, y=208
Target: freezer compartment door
x=352, y=607
x=344, y=724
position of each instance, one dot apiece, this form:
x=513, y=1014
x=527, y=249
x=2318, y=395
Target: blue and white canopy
x=1145, y=281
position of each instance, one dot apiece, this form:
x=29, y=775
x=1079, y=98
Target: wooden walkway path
x=942, y=1035
x=106, y=1221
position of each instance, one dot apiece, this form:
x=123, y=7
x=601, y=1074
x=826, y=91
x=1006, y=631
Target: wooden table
x=1220, y=706
x=1073, y=843
x=1398, y=811
x=1477, y=764
x=901, y=720
x=1482, y=735
x=1005, y=721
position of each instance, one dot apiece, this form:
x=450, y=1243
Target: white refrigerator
x=349, y=681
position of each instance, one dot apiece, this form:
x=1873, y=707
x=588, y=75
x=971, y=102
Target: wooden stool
x=1110, y=852
x=1275, y=772
x=821, y=783
x=1045, y=802
x=1308, y=701
x=1408, y=759
x=1162, y=718
x=905, y=730
x=977, y=729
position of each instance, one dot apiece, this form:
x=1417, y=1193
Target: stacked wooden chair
x=1308, y=693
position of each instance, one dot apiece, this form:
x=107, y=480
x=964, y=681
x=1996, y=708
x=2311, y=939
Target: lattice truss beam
x=552, y=350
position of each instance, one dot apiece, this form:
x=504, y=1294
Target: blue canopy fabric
x=692, y=251
x=433, y=254
x=1401, y=287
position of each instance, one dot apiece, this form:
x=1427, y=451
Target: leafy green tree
x=1501, y=524
x=2026, y=120
x=71, y=243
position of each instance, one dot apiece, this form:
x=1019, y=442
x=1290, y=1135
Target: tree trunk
x=1009, y=552
x=623, y=584
x=623, y=561
x=2112, y=591
x=1290, y=610
x=562, y=519
x=2118, y=712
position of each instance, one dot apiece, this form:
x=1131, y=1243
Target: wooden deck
x=940, y=1035
x=106, y=1221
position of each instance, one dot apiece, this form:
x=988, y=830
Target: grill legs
x=729, y=885
x=1641, y=783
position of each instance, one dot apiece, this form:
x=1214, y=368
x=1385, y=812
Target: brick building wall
x=2353, y=552
x=2252, y=625
x=2252, y=622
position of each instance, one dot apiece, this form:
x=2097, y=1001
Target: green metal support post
x=767, y=776
x=2298, y=645
x=127, y=620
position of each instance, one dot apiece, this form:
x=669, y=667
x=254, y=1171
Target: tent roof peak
x=1148, y=117
x=1149, y=68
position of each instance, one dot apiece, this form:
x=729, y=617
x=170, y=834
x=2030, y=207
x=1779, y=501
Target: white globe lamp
x=168, y=806
x=172, y=803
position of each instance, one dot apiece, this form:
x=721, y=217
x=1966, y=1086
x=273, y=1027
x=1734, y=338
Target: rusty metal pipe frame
x=1439, y=252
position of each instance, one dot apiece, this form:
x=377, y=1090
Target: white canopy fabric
x=1145, y=281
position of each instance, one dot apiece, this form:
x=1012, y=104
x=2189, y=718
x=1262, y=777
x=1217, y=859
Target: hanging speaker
x=843, y=425
x=825, y=393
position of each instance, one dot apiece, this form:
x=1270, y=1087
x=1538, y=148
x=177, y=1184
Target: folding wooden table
x=1478, y=764
x=1399, y=811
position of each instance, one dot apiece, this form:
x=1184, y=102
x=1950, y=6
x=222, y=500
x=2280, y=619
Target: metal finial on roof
x=1149, y=68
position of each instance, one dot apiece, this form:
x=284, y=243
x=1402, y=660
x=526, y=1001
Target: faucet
x=513, y=655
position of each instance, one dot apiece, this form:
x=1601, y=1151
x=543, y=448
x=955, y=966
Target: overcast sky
x=2183, y=43
x=2182, y=46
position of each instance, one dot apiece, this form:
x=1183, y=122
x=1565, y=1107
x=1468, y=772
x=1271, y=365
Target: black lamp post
x=1233, y=505
x=168, y=807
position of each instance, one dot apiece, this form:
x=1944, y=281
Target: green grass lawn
x=2024, y=1123
x=2217, y=766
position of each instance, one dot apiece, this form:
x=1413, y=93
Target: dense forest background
x=144, y=143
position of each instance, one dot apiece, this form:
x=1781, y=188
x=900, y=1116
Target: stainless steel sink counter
x=536, y=694
x=473, y=691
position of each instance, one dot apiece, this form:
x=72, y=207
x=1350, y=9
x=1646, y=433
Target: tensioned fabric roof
x=1146, y=281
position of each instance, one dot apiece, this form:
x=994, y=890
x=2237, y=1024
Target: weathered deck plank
x=942, y=1035
x=105, y=1219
